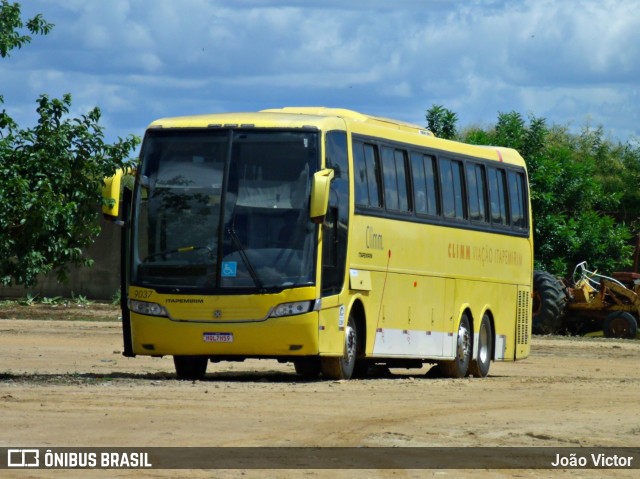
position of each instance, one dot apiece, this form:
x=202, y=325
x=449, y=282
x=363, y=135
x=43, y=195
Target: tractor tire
x=549, y=300
x=620, y=324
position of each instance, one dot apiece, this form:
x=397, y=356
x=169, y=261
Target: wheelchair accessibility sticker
x=229, y=269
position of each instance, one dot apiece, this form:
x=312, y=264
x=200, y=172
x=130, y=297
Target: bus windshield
x=225, y=209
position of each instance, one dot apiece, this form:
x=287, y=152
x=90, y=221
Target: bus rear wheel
x=342, y=367
x=459, y=366
x=190, y=368
x=479, y=367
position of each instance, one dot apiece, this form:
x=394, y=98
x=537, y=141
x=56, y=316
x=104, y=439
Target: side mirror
x=111, y=193
x=320, y=195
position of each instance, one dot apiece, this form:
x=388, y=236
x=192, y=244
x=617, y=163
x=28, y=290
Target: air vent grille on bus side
x=522, y=324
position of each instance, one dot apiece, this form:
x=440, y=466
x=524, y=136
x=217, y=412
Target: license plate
x=218, y=337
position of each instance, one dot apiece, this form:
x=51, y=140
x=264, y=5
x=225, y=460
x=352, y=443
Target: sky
x=574, y=62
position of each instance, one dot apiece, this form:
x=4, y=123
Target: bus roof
x=339, y=118
x=353, y=116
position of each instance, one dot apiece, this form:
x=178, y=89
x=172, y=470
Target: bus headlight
x=150, y=309
x=291, y=309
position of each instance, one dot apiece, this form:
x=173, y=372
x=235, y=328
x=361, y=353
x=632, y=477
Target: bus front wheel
x=190, y=367
x=341, y=367
x=458, y=367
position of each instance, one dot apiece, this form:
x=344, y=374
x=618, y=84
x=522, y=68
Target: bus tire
x=190, y=368
x=342, y=367
x=620, y=324
x=457, y=368
x=479, y=366
x=549, y=300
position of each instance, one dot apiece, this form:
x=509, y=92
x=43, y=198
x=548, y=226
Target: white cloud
x=137, y=58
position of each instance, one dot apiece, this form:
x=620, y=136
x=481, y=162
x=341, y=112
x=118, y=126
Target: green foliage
x=11, y=23
x=56, y=300
x=80, y=300
x=28, y=300
x=583, y=191
x=572, y=207
x=52, y=175
x=116, y=298
x=442, y=122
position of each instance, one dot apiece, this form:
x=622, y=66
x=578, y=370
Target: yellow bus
x=327, y=238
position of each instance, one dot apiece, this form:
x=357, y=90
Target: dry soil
x=64, y=382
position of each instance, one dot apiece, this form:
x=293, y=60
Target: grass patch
x=59, y=310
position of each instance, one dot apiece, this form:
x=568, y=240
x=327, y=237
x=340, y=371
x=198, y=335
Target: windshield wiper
x=245, y=259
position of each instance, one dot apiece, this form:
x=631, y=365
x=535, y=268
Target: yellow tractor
x=591, y=302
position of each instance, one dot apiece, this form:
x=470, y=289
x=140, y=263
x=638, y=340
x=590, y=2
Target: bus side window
x=476, y=192
x=366, y=165
x=517, y=200
x=497, y=194
x=451, y=184
x=360, y=172
x=390, y=179
x=424, y=184
x=396, y=191
x=373, y=175
x=400, y=157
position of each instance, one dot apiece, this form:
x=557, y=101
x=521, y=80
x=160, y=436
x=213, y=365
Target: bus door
x=334, y=244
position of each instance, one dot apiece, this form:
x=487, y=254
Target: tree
x=442, y=122
x=572, y=208
x=51, y=176
x=11, y=23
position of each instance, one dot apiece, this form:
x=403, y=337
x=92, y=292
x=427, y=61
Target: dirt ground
x=65, y=383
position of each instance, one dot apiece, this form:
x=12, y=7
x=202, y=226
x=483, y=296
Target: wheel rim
x=349, y=345
x=483, y=353
x=619, y=327
x=464, y=342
